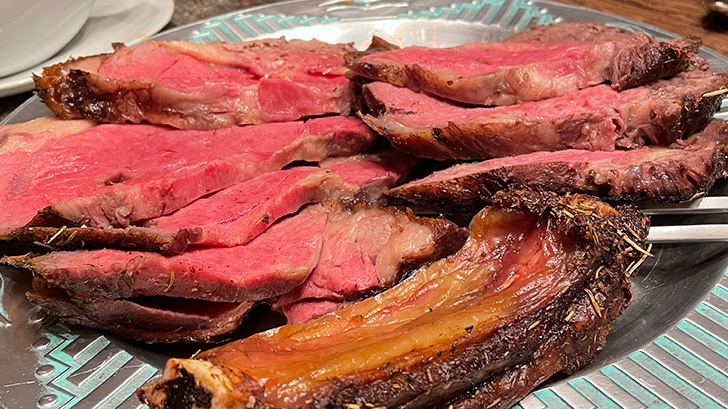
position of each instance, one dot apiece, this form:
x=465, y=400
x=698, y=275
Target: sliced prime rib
x=236, y=215
x=201, y=86
x=547, y=62
x=364, y=252
x=148, y=319
x=596, y=118
x=272, y=264
x=528, y=268
x=115, y=175
x=675, y=174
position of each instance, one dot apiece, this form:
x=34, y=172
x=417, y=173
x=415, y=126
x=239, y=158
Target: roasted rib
x=464, y=321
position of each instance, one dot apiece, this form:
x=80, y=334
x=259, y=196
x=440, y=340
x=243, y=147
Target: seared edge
x=602, y=231
x=630, y=67
x=565, y=348
x=674, y=115
x=663, y=181
x=168, y=242
x=128, y=318
x=455, y=371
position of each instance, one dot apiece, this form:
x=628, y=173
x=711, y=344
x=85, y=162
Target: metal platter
x=669, y=349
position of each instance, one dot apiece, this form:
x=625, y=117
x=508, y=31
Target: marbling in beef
x=201, y=86
x=367, y=251
x=596, y=118
x=664, y=174
x=546, y=62
x=531, y=264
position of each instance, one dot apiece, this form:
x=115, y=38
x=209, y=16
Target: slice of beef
x=272, y=264
x=596, y=118
x=552, y=61
x=114, y=175
x=201, y=86
x=236, y=215
x=364, y=252
x=673, y=174
x=148, y=319
x=526, y=271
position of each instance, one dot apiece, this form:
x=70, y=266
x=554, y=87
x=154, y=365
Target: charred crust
x=648, y=62
x=698, y=111
x=574, y=341
x=565, y=348
x=583, y=216
x=73, y=238
x=377, y=45
x=182, y=392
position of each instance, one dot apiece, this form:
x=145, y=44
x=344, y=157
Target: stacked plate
x=108, y=22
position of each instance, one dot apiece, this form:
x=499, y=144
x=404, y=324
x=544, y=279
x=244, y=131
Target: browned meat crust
x=568, y=347
x=639, y=60
x=591, y=237
x=675, y=109
x=167, y=242
x=656, y=173
x=144, y=319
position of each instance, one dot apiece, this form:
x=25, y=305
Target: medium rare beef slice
x=596, y=118
x=466, y=320
x=675, y=174
x=272, y=264
x=141, y=172
x=562, y=59
x=202, y=86
x=236, y=215
x=148, y=319
x=364, y=252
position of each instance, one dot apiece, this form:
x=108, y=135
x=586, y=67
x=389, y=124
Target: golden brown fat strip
x=533, y=291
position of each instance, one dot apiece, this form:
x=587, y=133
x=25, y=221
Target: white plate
x=96, y=36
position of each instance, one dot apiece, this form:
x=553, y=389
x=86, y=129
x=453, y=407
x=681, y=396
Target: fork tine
x=693, y=233
x=703, y=205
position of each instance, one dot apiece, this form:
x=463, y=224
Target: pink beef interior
x=361, y=172
x=188, y=73
x=107, y=157
x=172, y=69
x=275, y=262
x=420, y=110
x=236, y=201
x=482, y=58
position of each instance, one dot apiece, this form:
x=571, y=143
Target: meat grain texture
x=685, y=170
x=201, y=86
x=544, y=62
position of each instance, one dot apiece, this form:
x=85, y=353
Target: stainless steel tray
x=669, y=349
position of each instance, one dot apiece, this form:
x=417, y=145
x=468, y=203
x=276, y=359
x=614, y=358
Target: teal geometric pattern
x=685, y=368
x=72, y=366
x=235, y=27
